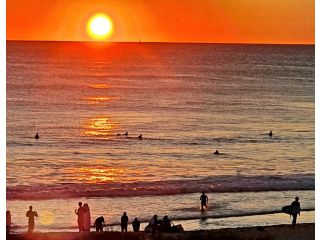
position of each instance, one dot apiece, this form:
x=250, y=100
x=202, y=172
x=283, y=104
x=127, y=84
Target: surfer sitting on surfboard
x=204, y=201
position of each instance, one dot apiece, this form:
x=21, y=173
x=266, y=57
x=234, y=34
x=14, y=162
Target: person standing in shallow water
x=295, y=209
x=31, y=214
x=204, y=201
x=80, y=212
x=124, y=222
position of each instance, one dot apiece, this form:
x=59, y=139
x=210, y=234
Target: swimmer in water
x=36, y=136
x=270, y=134
x=126, y=134
x=216, y=152
x=140, y=136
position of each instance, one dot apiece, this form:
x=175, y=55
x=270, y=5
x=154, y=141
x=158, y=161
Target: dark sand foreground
x=280, y=232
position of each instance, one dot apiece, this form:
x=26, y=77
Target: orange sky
x=235, y=21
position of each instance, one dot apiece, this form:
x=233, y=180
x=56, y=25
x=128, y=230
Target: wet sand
x=278, y=232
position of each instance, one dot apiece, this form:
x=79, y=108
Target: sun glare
x=100, y=27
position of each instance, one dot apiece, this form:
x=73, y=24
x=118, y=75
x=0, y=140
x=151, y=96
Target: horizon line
x=235, y=43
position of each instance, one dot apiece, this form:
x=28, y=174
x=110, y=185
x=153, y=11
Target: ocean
x=187, y=101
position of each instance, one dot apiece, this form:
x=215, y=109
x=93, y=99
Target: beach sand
x=278, y=232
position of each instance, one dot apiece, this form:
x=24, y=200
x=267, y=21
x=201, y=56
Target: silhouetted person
x=136, y=225
x=36, y=136
x=80, y=212
x=165, y=225
x=295, y=209
x=124, y=222
x=270, y=134
x=31, y=214
x=8, y=221
x=140, y=136
x=126, y=134
x=154, y=223
x=216, y=152
x=99, y=223
x=204, y=201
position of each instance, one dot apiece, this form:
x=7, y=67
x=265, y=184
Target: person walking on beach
x=295, y=209
x=124, y=222
x=31, y=214
x=99, y=223
x=204, y=201
x=136, y=225
x=80, y=212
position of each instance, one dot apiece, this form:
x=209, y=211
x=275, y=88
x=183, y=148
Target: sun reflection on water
x=100, y=86
x=99, y=127
x=97, y=100
x=100, y=174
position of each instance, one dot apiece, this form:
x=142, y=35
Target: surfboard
x=287, y=209
x=86, y=219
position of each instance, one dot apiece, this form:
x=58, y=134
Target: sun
x=100, y=27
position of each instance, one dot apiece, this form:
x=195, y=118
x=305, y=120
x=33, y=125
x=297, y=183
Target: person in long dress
x=86, y=218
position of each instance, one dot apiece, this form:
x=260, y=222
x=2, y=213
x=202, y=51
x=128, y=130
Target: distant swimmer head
x=216, y=152
x=140, y=136
x=36, y=136
x=270, y=133
x=126, y=134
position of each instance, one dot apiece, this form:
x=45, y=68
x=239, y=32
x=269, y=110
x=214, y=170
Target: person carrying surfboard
x=295, y=210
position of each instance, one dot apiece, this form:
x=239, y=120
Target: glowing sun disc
x=99, y=26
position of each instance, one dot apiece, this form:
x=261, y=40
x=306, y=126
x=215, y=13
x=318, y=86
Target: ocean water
x=187, y=100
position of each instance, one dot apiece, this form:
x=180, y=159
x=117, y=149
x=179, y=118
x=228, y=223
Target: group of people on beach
x=154, y=225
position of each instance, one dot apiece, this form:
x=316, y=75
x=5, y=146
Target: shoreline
x=305, y=231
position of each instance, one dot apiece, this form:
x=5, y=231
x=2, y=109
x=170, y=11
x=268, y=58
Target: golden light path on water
x=97, y=100
x=99, y=86
x=102, y=174
x=99, y=127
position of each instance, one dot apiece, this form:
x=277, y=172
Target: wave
x=225, y=183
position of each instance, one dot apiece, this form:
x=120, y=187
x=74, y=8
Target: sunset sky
x=226, y=21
